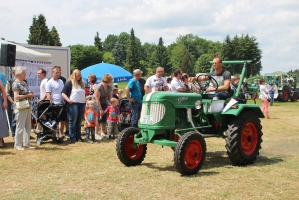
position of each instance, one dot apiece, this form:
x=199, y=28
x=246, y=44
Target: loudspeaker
x=8, y=55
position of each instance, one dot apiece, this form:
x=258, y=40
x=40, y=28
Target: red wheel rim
x=249, y=138
x=193, y=154
x=132, y=153
x=285, y=95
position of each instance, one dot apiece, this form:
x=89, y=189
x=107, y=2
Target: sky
x=275, y=24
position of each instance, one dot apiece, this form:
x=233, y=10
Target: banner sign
x=31, y=73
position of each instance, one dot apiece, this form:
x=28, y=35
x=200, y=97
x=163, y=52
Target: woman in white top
x=264, y=96
x=74, y=94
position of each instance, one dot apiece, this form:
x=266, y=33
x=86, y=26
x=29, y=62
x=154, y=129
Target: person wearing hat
x=271, y=93
x=133, y=94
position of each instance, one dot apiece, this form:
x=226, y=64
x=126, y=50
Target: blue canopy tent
x=119, y=74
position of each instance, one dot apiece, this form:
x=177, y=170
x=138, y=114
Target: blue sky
x=275, y=24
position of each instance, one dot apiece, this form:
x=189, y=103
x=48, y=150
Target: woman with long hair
x=264, y=97
x=103, y=95
x=23, y=116
x=74, y=94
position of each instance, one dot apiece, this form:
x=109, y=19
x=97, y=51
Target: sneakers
x=215, y=98
x=90, y=141
x=20, y=148
x=29, y=147
x=103, y=136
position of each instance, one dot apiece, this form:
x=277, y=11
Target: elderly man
x=223, y=78
x=156, y=82
x=133, y=94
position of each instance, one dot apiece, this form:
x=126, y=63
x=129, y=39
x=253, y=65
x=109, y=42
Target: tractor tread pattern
x=233, y=140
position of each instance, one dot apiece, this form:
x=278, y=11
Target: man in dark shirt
x=223, y=78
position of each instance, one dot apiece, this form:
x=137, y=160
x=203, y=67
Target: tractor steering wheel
x=207, y=83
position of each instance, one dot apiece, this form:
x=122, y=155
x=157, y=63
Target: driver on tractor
x=220, y=78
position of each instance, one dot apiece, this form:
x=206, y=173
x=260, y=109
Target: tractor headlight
x=198, y=104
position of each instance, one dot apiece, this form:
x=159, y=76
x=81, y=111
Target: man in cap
x=133, y=94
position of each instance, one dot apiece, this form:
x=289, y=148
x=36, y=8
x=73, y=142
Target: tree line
x=189, y=52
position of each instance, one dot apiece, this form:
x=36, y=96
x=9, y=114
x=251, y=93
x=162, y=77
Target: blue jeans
x=136, y=110
x=90, y=130
x=271, y=99
x=75, y=114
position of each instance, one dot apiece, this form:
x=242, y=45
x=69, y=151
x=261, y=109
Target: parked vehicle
x=182, y=121
x=285, y=86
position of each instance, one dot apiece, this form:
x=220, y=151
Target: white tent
x=26, y=54
x=32, y=60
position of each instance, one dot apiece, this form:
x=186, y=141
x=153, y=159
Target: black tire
x=294, y=98
x=128, y=155
x=244, y=138
x=190, y=153
x=285, y=95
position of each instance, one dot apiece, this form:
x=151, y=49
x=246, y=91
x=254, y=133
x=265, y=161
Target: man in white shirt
x=156, y=82
x=41, y=73
x=54, y=87
x=176, y=84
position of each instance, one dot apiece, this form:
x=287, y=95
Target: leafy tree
x=133, y=59
x=162, y=57
x=39, y=31
x=83, y=56
x=97, y=42
x=202, y=64
x=110, y=42
x=119, y=51
x=108, y=58
x=55, y=39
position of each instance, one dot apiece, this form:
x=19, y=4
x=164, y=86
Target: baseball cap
x=137, y=71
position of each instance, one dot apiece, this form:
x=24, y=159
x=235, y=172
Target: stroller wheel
x=38, y=142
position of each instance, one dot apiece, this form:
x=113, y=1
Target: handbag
x=23, y=104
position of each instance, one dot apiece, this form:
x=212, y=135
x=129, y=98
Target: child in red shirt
x=113, y=118
x=91, y=121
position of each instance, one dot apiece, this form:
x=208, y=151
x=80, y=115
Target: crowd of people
x=100, y=107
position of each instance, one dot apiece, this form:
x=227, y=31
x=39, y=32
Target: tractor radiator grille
x=157, y=112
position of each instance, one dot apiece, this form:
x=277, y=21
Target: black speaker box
x=8, y=55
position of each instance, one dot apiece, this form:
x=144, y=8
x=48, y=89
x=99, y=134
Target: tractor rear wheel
x=244, y=138
x=285, y=94
x=130, y=154
x=294, y=98
x=190, y=153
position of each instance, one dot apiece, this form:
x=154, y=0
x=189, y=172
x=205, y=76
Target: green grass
x=93, y=171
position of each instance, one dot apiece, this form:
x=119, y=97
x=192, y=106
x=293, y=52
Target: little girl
x=91, y=121
x=113, y=118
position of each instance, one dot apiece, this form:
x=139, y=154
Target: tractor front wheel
x=244, y=138
x=130, y=154
x=190, y=153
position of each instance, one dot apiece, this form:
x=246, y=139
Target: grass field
x=93, y=171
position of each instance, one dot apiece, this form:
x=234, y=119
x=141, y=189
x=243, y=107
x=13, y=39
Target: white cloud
x=273, y=23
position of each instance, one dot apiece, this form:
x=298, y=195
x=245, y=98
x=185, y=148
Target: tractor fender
x=240, y=107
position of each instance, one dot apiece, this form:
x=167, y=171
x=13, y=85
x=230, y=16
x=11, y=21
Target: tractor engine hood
x=178, y=100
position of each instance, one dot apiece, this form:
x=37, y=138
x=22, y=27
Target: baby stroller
x=125, y=114
x=47, y=114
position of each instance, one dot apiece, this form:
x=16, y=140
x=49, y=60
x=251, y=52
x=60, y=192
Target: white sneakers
x=22, y=149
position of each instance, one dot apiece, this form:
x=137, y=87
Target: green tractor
x=285, y=86
x=182, y=121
